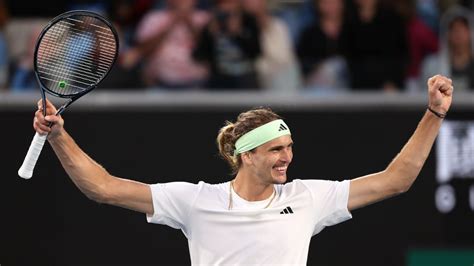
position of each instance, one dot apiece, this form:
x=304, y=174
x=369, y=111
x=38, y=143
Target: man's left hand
x=440, y=91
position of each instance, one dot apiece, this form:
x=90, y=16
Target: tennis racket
x=73, y=54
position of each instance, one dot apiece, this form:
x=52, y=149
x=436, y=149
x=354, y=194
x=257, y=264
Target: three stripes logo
x=287, y=210
x=282, y=127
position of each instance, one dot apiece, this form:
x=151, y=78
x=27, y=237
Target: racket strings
x=84, y=41
x=75, y=54
x=105, y=46
x=81, y=51
x=62, y=69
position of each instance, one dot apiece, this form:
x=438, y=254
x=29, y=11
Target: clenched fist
x=440, y=91
x=51, y=124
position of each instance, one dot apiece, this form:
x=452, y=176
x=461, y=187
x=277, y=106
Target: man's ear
x=246, y=158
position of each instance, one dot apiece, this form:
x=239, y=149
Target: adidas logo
x=287, y=210
x=282, y=127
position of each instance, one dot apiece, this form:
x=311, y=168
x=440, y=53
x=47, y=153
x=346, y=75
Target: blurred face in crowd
x=228, y=5
x=255, y=6
x=459, y=35
x=366, y=3
x=330, y=8
x=4, y=16
x=181, y=4
x=123, y=11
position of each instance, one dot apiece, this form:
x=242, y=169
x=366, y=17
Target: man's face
x=269, y=162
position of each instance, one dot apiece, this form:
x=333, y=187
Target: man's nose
x=286, y=155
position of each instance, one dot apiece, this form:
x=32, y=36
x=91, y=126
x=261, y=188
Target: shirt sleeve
x=330, y=200
x=172, y=203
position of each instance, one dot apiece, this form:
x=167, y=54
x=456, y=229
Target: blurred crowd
x=314, y=46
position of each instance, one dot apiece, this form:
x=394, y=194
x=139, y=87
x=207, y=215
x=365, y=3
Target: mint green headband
x=261, y=135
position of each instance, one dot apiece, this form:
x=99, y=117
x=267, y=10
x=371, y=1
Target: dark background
x=47, y=221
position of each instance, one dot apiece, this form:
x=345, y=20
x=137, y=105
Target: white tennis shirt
x=248, y=234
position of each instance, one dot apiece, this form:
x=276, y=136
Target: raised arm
x=91, y=178
x=405, y=167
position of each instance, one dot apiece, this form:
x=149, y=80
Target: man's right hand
x=42, y=124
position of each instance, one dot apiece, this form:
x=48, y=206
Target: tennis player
x=265, y=220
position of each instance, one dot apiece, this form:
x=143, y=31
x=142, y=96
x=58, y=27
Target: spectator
x=456, y=55
x=23, y=78
x=297, y=15
x=230, y=45
x=422, y=41
x=277, y=67
x=321, y=48
x=98, y=6
x=165, y=41
x=377, y=47
x=4, y=57
x=428, y=12
x=124, y=15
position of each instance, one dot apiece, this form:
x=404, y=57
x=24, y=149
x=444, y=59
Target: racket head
x=74, y=52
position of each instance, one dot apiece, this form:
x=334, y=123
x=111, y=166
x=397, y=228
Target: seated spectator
x=422, y=42
x=277, y=67
x=165, y=41
x=297, y=16
x=4, y=57
x=428, y=12
x=377, y=47
x=321, y=48
x=98, y=6
x=23, y=76
x=230, y=45
x=124, y=15
x=456, y=56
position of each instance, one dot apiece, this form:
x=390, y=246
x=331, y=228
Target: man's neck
x=248, y=188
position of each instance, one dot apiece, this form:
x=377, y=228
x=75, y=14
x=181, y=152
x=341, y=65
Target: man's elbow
x=101, y=193
x=403, y=188
x=98, y=195
x=401, y=183
x=402, y=176
x=406, y=183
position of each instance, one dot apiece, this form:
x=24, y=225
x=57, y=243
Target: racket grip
x=26, y=169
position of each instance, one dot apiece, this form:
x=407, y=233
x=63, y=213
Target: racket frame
x=72, y=97
x=26, y=170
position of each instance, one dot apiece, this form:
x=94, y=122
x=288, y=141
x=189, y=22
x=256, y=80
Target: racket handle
x=26, y=169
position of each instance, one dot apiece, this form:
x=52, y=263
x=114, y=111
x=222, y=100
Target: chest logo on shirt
x=287, y=210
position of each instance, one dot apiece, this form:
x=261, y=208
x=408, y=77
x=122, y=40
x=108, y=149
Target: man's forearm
x=408, y=163
x=88, y=175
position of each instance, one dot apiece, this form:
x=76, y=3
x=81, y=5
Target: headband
x=261, y=135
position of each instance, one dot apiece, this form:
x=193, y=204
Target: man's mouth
x=281, y=169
